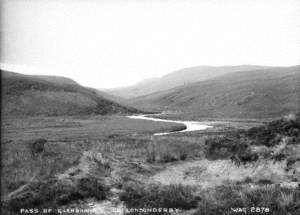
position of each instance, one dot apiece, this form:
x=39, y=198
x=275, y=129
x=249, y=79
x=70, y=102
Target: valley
x=112, y=150
x=202, y=148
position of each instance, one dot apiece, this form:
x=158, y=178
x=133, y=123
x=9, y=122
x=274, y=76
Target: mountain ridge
x=255, y=94
x=178, y=78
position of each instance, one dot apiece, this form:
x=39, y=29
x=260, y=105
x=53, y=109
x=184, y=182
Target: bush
x=270, y=134
x=168, y=157
x=91, y=187
x=183, y=156
x=240, y=145
x=244, y=157
x=220, y=147
x=236, y=149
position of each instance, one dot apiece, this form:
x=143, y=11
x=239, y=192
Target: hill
x=252, y=94
x=178, y=78
x=27, y=95
x=53, y=79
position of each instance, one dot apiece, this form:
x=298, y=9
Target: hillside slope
x=255, y=94
x=59, y=80
x=26, y=95
x=178, y=78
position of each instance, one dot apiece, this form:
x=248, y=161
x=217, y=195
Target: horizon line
x=34, y=71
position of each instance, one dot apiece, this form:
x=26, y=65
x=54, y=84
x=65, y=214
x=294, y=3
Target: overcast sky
x=113, y=43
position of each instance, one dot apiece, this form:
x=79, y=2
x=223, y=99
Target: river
x=190, y=125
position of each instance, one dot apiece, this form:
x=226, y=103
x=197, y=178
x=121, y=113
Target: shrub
x=183, y=156
x=91, y=187
x=237, y=150
x=237, y=145
x=244, y=157
x=270, y=134
x=168, y=157
x=38, y=146
x=219, y=147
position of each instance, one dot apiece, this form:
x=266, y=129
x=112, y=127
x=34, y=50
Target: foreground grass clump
x=166, y=151
x=157, y=196
x=225, y=199
x=53, y=193
x=238, y=150
x=221, y=200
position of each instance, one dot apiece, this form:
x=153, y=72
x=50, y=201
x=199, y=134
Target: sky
x=114, y=43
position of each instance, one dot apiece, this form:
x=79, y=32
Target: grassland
x=128, y=151
x=67, y=138
x=116, y=159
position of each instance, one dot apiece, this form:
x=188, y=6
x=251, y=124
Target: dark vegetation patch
x=238, y=146
x=163, y=151
x=54, y=193
x=38, y=146
x=271, y=134
x=158, y=196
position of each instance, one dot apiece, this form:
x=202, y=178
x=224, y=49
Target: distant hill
x=252, y=94
x=178, y=78
x=109, y=96
x=27, y=95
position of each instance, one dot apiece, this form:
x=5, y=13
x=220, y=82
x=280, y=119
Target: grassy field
x=116, y=159
x=66, y=139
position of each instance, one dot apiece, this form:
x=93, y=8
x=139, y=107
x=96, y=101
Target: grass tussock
x=224, y=199
x=54, y=193
x=158, y=196
x=221, y=200
x=162, y=152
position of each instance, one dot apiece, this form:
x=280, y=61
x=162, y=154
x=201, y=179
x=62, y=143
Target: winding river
x=190, y=125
